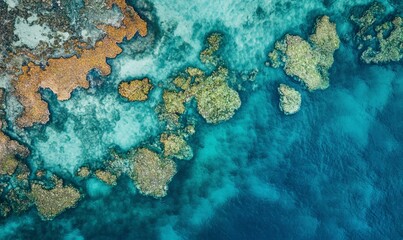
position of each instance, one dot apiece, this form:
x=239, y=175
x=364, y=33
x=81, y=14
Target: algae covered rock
x=136, y=90
x=176, y=146
x=308, y=61
x=290, y=99
x=152, y=174
x=52, y=202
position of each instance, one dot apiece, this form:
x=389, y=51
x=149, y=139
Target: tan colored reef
x=63, y=75
x=176, y=146
x=381, y=42
x=83, y=172
x=152, y=174
x=106, y=177
x=208, y=56
x=308, y=61
x=52, y=202
x=136, y=90
x=216, y=100
x=290, y=99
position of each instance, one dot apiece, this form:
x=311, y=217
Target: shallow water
x=332, y=171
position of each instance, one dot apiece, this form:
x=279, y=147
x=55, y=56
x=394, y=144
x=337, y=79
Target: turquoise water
x=332, y=171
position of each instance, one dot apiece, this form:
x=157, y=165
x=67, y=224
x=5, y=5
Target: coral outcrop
x=176, y=146
x=52, y=202
x=290, y=99
x=152, y=174
x=382, y=41
x=106, y=177
x=135, y=90
x=308, y=61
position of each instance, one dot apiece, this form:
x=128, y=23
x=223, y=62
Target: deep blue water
x=332, y=171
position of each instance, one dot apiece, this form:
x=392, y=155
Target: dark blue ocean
x=334, y=170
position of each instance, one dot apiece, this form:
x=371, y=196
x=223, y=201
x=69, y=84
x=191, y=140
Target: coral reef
x=151, y=174
x=308, y=61
x=176, y=146
x=63, y=75
x=290, y=99
x=106, y=177
x=136, y=90
x=383, y=41
x=52, y=202
x=208, y=55
x=83, y=172
x=216, y=101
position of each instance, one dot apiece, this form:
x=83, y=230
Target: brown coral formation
x=63, y=75
x=136, y=90
x=176, y=146
x=208, y=55
x=308, y=61
x=382, y=42
x=106, y=177
x=151, y=173
x=52, y=202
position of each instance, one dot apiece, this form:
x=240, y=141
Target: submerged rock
x=290, y=99
x=152, y=174
x=52, y=202
x=136, y=90
x=308, y=61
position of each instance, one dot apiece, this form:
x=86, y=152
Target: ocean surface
x=334, y=170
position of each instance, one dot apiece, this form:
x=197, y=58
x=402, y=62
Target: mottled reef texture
x=152, y=165
x=135, y=90
x=60, y=60
x=290, y=99
x=63, y=75
x=381, y=40
x=308, y=61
